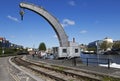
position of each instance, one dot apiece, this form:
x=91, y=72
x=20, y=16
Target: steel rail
x=80, y=77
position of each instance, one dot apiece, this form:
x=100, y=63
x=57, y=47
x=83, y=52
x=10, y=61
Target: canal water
x=94, y=59
x=102, y=60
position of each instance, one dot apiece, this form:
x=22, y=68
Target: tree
x=91, y=48
x=116, y=45
x=105, y=45
x=42, y=47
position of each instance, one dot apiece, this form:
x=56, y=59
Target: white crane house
x=73, y=50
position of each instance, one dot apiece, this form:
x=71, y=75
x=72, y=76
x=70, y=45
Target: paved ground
x=97, y=69
x=23, y=74
x=11, y=72
x=4, y=70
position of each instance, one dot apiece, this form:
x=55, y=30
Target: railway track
x=57, y=73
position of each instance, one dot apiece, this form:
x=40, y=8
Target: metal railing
x=94, y=61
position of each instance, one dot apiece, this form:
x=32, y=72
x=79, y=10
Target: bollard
x=108, y=63
x=87, y=61
x=74, y=61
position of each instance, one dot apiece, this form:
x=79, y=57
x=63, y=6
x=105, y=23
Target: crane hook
x=22, y=13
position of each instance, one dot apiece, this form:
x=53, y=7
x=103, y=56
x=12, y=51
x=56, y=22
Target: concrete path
x=22, y=73
x=5, y=74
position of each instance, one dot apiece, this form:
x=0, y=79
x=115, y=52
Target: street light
x=97, y=45
x=3, y=51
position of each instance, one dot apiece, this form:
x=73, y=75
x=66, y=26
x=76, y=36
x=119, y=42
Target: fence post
x=108, y=63
x=74, y=61
x=87, y=61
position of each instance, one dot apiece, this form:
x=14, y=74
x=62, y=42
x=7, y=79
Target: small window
x=76, y=50
x=64, y=50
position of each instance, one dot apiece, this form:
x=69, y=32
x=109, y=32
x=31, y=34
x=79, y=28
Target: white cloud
x=67, y=22
x=13, y=18
x=83, y=31
x=72, y=3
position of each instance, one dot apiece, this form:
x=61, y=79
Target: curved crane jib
x=63, y=38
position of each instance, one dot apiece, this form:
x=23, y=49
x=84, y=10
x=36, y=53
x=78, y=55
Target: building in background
x=83, y=47
x=109, y=40
x=97, y=44
x=6, y=44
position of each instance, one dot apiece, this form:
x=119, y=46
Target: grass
x=58, y=67
x=6, y=55
x=107, y=78
x=71, y=80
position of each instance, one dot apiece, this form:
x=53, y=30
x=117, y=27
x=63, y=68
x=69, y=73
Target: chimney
x=73, y=40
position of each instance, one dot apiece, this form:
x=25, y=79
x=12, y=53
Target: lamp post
x=3, y=51
x=97, y=46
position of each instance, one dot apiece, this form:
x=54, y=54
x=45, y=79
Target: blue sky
x=85, y=20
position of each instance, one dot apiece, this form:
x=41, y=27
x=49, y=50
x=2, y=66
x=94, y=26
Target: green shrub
x=107, y=78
